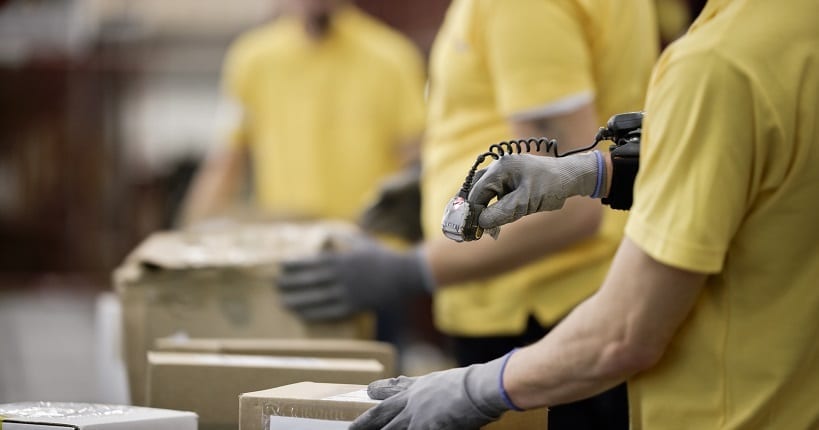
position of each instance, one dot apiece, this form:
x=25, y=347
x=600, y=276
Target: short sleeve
x=230, y=120
x=692, y=191
x=537, y=54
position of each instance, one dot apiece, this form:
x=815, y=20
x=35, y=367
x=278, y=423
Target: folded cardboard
x=321, y=406
x=210, y=384
x=383, y=352
x=87, y=416
x=219, y=283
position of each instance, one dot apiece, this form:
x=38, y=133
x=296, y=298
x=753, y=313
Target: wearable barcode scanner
x=460, y=222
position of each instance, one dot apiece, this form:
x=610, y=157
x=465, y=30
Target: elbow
x=624, y=359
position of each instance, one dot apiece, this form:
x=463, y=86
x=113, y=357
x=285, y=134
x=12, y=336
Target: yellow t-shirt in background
x=323, y=120
x=494, y=60
x=729, y=185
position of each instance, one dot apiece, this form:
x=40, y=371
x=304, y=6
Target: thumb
x=508, y=209
x=386, y=388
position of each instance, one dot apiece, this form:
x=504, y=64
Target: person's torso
x=464, y=119
x=319, y=116
x=746, y=358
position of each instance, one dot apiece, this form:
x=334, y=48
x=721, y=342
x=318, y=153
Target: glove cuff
x=412, y=275
x=501, y=388
x=484, y=386
x=600, y=186
x=587, y=170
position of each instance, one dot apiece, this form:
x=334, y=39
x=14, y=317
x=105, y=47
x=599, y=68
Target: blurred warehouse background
x=106, y=108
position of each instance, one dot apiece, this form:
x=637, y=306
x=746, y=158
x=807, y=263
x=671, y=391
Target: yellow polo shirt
x=323, y=119
x=729, y=185
x=494, y=60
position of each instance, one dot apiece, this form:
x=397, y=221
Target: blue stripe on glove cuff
x=504, y=395
x=601, y=165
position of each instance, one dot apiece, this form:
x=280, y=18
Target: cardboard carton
x=86, y=416
x=219, y=283
x=383, y=352
x=316, y=406
x=210, y=384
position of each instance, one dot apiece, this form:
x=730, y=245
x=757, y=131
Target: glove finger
x=478, y=175
x=508, y=209
x=306, y=263
x=327, y=311
x=314, y=277
x=485, y=188
x=402, y=421
x=381, y=415
x=386, y=388
x=309, y=297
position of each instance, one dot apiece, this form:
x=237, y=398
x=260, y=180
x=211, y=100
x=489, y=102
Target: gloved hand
x=337, y=284
x=525, y=184
x=462, y=398
x=396, y=210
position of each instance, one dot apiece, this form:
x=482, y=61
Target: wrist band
x=601, y=166
x=503, y=393
x=625, y=163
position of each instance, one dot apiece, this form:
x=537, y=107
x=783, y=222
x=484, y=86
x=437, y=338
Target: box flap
x=262, y=361
x=338, y=348
x=234, y=246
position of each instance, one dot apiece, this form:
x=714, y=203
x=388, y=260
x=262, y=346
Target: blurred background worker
x=327, y=101
x=501, y=70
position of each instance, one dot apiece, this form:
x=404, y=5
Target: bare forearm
x=621, y=330
x=577, y=360
x=215, y=186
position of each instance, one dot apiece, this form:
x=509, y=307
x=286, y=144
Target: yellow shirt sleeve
x=410, y=105
x=536, y=53
x=235, y=82
x=696, y=167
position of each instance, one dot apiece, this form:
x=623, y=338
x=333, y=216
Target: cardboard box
x=210, y=384
x=309, y=406
x=219, y=283
x=87, y=416
x=383, y=352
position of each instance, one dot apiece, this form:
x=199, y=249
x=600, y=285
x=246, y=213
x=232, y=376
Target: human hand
x=396, y=210
x=337, y=284
x=462, y=398
x=525, y=184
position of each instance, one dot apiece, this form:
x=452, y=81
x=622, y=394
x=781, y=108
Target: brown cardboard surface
x=210, y=384
x=333, y=402
x=383, y=352
x=219, y=283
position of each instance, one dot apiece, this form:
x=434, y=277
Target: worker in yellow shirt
x=328, y=101
x=711, y=306
x=501, y=70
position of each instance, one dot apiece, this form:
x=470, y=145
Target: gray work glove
x=337, y=284
x=396, y=210
x=462, y=398
x=525, y=184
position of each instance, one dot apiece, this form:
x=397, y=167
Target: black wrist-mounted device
x=625, y=131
